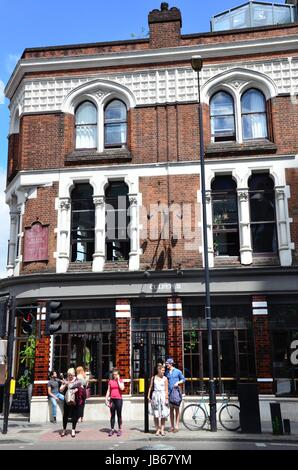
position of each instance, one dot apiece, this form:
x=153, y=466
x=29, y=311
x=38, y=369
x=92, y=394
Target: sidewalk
x=20, y=430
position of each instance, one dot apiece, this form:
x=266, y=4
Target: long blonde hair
x=80, y=371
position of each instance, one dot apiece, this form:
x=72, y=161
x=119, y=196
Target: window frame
x=221, y=136
x=93, y=125
x=236, y=96
x=75, y=241
x=263, y=222
x=261, y=113
x=119, y=122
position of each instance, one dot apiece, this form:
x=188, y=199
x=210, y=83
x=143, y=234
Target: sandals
x=111, y=433
x=157, y=433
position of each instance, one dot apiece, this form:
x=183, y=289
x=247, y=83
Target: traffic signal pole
x=10, y=343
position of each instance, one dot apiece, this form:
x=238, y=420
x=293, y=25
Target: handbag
x=70, y=397
x=88, y=392
x=175, y=397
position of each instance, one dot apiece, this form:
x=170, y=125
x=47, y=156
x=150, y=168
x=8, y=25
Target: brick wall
x=169, y=253
x=284, y=135
x=292, y=181
x=13, y=163
x=42, y=209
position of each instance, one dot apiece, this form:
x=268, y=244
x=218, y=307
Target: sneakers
x=119, y=433
x=111, y=432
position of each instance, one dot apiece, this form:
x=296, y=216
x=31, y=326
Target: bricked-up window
x=86, y=126
x=117, y=221
x=222, y=116
x=225, y=216
x=262, y=213
x=82, y=223
x=254, y=115
x=115, y=117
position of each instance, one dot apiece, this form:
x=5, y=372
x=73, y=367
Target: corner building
x=93, y=122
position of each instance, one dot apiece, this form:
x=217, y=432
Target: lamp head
x=197, y=63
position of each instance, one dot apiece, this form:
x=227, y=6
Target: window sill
x=92, y=156
x=252, y=147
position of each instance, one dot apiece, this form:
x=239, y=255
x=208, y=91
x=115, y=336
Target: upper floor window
x=225, y=216
x=262, y=213
x=115, y=122
x=222, y=117
x=254, y=115
x=82, y=223
x=117, y=221
x=86, y=126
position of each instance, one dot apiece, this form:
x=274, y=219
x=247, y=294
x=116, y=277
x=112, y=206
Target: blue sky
x=32, y=23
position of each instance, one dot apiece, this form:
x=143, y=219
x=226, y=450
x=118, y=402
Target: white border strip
x=260, y=304
x=123, y=315
x=260, y=311
x=265, y=380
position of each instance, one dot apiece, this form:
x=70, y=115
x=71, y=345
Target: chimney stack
x=165, y=26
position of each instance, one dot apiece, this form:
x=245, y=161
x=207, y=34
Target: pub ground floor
x=255, y=334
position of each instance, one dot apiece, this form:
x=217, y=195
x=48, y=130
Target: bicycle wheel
x=194, y=417
x=229, y=417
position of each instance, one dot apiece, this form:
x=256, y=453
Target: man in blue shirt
x=175, y=378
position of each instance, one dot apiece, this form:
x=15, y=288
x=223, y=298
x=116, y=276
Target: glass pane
x=261, y=15
x=262, y=207
x=222, y=104
x=226, y=243
x=86, y=113
x=254, y=126
x=115, y=134
x=264, y=239
x=86, y=137
x=223, y=183
x=225, y=211
x=282, y=15
x=221, y=23
x=253, y=101
x=240, y=18
x=223, y=125
x=115, y=111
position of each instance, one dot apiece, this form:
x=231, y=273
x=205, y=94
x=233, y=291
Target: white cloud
x=4, y=221
x=2, y=97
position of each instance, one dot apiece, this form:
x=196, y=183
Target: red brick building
x=103, y=186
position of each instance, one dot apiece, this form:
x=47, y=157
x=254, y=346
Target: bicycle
x=195, y=415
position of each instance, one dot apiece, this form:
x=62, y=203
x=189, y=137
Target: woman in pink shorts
x=114, y=401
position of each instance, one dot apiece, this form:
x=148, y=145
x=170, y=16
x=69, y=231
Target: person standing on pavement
x=175, y=378
x=159, y=399
x=53, y=394
x=114, y=401
x=71, y=409
x=81, y=376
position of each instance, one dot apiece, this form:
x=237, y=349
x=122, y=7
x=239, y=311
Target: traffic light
x=52, y=316
x=26, y=324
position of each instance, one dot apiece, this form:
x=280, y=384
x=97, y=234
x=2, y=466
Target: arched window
x=117, y=220
x=82, y=223
x=86, y=126
x=254, y=115
x=225, y=216
x=115, y=119
x=222, y=115
x=262, y=213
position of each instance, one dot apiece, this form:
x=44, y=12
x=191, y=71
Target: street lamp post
x=197, y=64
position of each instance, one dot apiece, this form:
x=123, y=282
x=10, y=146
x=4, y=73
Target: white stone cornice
x=224, y=49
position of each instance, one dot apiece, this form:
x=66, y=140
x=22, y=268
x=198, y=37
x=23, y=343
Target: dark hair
x=52, y=373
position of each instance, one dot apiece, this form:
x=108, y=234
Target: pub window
x=225, y=216
x=262, y=213
x=86, y=126
x=254, y=115
x=82, y=223
x=115, y=123
x=222, y=116
x=117, y=220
